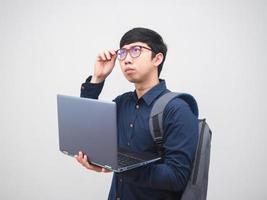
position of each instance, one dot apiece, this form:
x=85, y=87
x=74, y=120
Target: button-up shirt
x=165, y=179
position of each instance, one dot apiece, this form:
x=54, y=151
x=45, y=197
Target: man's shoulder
x=179, y=111
x=176, y=105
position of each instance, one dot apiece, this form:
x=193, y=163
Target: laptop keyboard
x=125, y=160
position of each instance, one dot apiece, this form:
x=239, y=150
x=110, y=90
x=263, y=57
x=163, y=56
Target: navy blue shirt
x=163, y=180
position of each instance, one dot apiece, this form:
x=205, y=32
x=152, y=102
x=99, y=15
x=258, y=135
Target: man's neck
x=142, y=88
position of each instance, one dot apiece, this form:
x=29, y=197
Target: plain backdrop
x=217, y=52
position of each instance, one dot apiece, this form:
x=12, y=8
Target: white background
x=217, y=52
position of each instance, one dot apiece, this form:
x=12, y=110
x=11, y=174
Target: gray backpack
x=196, y=188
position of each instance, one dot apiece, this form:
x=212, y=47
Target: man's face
x=138, y=69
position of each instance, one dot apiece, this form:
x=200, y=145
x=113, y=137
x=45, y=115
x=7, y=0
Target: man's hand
x=104, y=65
x=81, y=158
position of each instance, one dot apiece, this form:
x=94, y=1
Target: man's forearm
x=91, y=90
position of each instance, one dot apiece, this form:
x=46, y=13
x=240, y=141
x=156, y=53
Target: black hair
x=150, y=37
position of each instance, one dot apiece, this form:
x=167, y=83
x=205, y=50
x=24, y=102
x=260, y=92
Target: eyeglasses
x=135, y=51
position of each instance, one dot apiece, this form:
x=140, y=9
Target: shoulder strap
x=156, y=115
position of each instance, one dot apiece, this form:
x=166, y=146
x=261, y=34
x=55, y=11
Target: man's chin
x=131, y=79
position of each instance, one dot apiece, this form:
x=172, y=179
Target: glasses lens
x=121, y=54
x=135, y=51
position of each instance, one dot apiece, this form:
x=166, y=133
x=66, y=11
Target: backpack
x=197, y=185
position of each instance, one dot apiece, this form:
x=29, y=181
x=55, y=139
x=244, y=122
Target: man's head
x=150, y=43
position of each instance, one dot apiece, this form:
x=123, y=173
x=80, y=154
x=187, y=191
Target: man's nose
x=128, y=59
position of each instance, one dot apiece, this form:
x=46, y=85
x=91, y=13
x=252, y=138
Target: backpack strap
x=156, y=115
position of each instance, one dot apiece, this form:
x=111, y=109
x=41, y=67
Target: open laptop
x=90, y=126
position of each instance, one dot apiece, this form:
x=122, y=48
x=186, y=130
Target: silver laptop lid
x=90, y=126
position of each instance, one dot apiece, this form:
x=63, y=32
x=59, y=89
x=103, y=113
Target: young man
x=141, y=56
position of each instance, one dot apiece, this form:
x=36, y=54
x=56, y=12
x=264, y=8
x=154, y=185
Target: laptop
x=90, y=126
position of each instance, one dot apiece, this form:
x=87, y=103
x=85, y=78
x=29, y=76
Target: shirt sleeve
x=180, y=138
x=91, y=90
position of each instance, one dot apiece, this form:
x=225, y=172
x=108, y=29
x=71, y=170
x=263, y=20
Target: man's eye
x=121, y=52
x=136, y=49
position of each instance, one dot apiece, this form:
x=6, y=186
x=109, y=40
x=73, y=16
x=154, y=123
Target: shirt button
x=118, y=198
x=128, y=143
x=120, y=179
x=137, y=106
x=131, y=125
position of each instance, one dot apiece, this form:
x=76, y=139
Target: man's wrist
x=96, y=80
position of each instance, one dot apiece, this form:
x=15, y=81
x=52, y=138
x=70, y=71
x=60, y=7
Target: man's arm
x=180, y=142
x=104, y=64
x=91, y=90
x=92, y=87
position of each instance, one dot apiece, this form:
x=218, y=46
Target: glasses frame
x=129, y=51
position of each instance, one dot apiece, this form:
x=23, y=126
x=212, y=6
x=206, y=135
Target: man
x=141, y=56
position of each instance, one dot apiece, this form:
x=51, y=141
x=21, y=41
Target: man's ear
x=158, y=58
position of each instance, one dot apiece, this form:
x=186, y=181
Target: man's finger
x=83, y=159
x=93, y=167
x=107, y=54
x=103, y=56
x=88, y=165
x=104, y=170
x=77, y=158
x=112, y=52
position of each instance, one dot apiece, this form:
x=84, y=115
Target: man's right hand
x=83, y=160
x=104, y=65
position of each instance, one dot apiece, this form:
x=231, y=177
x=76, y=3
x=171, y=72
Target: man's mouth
x=129, y=70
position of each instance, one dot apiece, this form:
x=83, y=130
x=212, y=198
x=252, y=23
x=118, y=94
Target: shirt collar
x=153, y=93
